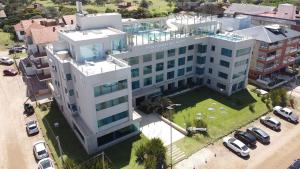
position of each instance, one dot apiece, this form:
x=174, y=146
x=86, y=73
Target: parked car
x=46, y=163
x=260, y=135
x=10, y=72
x=40, y=150
x=286, y=113
x=32, y=127
x=15, y=49
x=246, y=137
x=295, y=165
x=6, y=60
x=28, y=109
x=270, y=122
x=237, y=146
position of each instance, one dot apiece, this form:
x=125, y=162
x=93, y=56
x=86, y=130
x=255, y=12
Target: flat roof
x=91, y=34
x=92, y=68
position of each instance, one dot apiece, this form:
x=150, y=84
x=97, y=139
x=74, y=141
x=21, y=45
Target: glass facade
x=241, y=63
x=189, y=69
x=133, y=60
x=201, y=59
x=182, y=50
x=170, y=75
x=112, y=118
x=171, y=64
x=159, y=78
x=180, y=72
x=221, y=86
x=190, y=47
x=190, y=58
x=68, y=76
x=171, y=52
x=202, y=48
x=226, y=52
x=199, y=71
x=91, y=52
x=159, y=55
x=147, y=69
x=110, y=87
x=111, y=103
x=223, y=75
x=159, y=66
x=224, y=63
x=243, y=51
x=147, y=58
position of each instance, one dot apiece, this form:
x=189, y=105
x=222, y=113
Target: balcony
x=290, y=51
x=289, y=60
x=265, y=58
x=43, y=77
x=40, y=65
x=39, y=54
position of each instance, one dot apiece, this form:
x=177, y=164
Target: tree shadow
x=236, y=101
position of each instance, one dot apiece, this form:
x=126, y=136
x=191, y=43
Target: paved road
x=282, y=151
x=15, y=145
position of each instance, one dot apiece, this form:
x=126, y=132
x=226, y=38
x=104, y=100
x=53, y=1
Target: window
x=234, y=87
x=190, y=58
x=159, y=66
x=239, y=74
x=182, y=50
x=211, y=59
x=208, y=81
x=133, y=60
x=201, y=59
x=210, y=70
x=71, y=92
x=202, y=48
x=147, y=58
x=110, y=87
x=226, y=52
x=171, y=64
x=135, y=72
x=199, y=71
x=181, y=83
x=112, y=118
x=111, y=103
x=189, y=69
x=180, y=72
x=190, y=47
x=147, y=69
x=241, y=63
x=159, y=55
x=135, y=84
x=181, y=61
x=148, y=81
x=171, y=52
x=243, y=51
x=221, y=86
x=68, y=76
x=159, y=78
x=223, y=75
x=241, y=84
x=213, y=48
x=224, y=63
x=170, y=75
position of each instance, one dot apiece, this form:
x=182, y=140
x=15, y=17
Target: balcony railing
x=291, y=51
x=40, y=65
x=39, y=54
x=43, y=77
x=265, y=58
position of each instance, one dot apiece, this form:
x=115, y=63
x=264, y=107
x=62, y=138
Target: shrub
x=252, y=107
x=279, y=97
x=140, y=154
x=200, y=123
x=292, y=102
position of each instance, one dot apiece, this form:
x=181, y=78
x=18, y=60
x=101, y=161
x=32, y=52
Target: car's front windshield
x=46, y=164
x=244, y=148
x=41, y=152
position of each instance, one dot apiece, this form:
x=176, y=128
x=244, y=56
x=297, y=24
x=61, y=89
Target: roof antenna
x=79, y=6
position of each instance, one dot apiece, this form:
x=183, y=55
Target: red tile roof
x=45, y=35
x=18, y=27
x=68, y=19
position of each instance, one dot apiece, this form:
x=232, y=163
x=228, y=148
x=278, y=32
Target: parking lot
x=280, y=153
x=16, y=147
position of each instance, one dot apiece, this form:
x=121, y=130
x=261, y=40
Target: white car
x=46, y=163
x=32, y=127
x=40, y=150
x=286, y=113
x=6, y=60
x=270, y=122
x=236, y=145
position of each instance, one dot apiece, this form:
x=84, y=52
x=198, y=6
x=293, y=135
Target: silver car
x=270, y=122
x=32, y=127
x=46, y=163
x=40, y=151
x=6, y=60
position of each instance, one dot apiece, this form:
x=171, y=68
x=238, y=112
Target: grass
x=121, y=155
x=5, y=41
x=158, y=6
x=228, y=114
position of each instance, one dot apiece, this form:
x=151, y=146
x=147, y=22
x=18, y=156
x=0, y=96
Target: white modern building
x=107, y=65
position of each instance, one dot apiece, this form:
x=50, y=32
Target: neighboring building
x=285, y=14
x=229, y=24
x=36, y=34
x=274, y=54
x=105, y=67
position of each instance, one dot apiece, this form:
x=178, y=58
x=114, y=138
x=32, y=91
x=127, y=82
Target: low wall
x=175, y=126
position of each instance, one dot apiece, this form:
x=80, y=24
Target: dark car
x=295, y=165
x=246, y=137
x=15, y=50
x=10, y=72
x=260, y=135
x=28, y=109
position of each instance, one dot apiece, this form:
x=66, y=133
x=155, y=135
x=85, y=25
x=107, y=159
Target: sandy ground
x=279, y=154
x=15, y=145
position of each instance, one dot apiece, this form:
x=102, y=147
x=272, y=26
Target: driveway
x=15, y=145
x=153, y=127
x=280, y=153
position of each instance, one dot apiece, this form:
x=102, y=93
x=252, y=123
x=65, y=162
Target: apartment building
x=36, y=34
x=274, y=54
x=107, y=65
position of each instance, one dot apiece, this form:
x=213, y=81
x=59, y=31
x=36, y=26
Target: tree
x=144, y=4
x=279, y=97
x=51, y=12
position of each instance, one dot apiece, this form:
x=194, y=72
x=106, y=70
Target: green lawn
x=5, y=41
x=121, y=155
x=225, y=115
